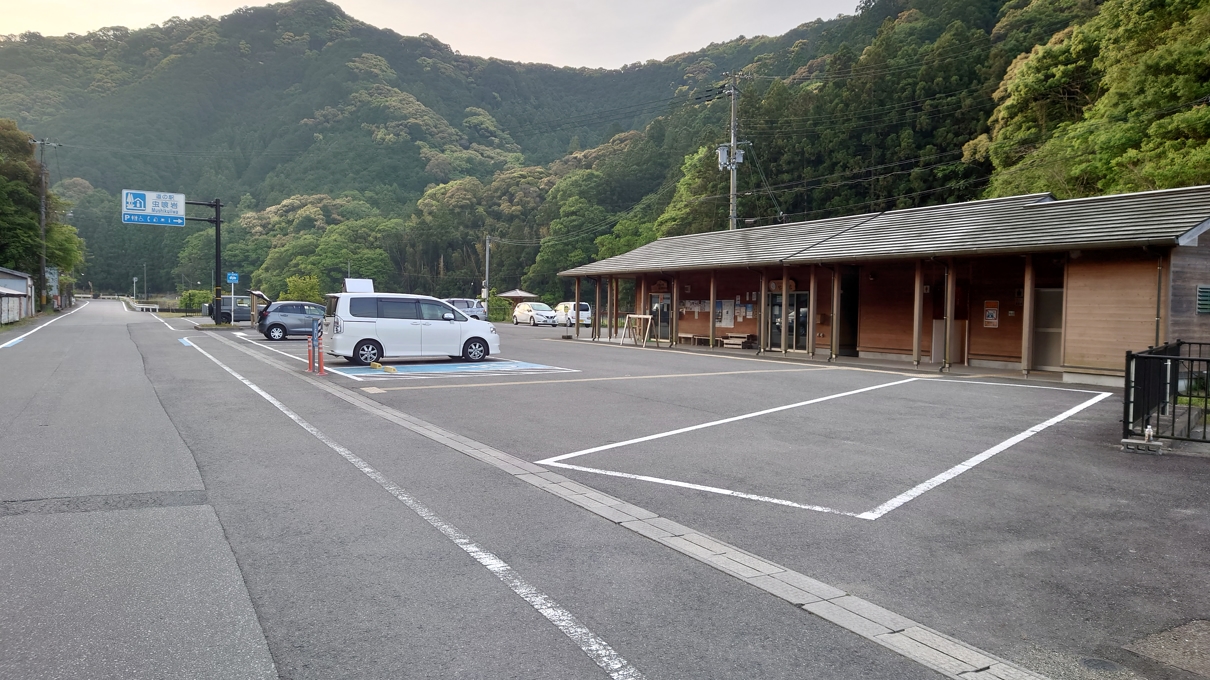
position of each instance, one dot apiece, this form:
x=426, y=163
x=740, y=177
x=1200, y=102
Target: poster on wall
x=991, y=314
x=724, y=313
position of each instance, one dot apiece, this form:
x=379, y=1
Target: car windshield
x=539, y=307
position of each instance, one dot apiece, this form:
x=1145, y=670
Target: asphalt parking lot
x=997, y=511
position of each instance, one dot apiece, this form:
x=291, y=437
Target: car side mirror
x=448, y=316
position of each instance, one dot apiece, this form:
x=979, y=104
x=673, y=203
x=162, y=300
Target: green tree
x=304, y=288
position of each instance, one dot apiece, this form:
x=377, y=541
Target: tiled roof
x=1016, y=224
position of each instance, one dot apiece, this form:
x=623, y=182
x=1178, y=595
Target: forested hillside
x=343, y=148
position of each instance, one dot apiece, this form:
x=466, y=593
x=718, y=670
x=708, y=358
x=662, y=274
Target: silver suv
x=469, y=307
x=287, y=317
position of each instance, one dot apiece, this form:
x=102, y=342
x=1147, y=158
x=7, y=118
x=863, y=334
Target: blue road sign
x=232, y=277
x=153, y=207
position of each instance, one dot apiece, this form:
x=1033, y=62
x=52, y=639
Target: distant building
x=16, y=295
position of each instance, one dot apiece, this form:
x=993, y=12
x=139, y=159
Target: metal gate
x=1166, y=390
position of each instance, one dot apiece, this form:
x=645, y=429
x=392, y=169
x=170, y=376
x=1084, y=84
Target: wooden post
x=835, y=312
x=713, y=297
x=640, y=305
x=1027, y=318
x=951, y=292
x=596, y=310
x=674, y=319
x=812, y=313
x=785, y=304
x=576, y=317
x=762, y=339
x=918, y=313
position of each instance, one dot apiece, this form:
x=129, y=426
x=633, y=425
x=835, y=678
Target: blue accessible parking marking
x=447, y=369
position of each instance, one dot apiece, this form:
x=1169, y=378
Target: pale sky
x=606, y=33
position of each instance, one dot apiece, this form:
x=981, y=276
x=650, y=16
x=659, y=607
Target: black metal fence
x=1167, y=390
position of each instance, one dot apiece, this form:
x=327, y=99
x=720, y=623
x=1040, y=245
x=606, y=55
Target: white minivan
x=368, y=327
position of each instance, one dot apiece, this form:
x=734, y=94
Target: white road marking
x=582, y=380
x=597, y=649
x=724, y=421
x=157, y=317
x=21, y=337
x=975, y=460
x=998, y=384
x=701, y=487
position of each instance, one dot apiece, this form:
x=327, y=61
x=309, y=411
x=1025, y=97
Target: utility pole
x=735, y=163
x=730, y=155
x=144, y=281
x=42, y=177
x=487, y=269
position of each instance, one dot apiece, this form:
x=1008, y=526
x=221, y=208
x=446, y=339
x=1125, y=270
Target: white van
x=565, y=314
x=368, y=327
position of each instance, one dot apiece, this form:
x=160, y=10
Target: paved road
x=197, y=509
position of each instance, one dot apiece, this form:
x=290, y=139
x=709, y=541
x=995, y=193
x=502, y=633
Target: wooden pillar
x=835, y=340
x=762, y=340
x=576, y=313
x=596, y=311
x=951, y=290
x=713, y=297
x=674, y=319
x=785, y=304
x=918, y=313
x=812, y=313
x=1027, y=317
x=640, y=305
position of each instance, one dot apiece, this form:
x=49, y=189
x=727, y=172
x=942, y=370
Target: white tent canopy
x=517, y=295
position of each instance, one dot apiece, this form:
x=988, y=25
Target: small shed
x=16, y=295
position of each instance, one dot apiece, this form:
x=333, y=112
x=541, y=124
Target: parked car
x=242, y=312
x=288, y=317
x=534, y=314
x=368, y=327
x=469, y=307
x=565, y=313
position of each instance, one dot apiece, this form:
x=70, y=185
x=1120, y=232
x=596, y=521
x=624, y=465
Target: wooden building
x=1026, y=282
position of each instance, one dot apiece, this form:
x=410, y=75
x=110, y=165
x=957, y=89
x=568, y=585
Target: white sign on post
x=153, y=207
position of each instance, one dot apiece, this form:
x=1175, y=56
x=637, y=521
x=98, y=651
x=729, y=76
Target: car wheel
x=276, y=332
x=533, y=321
x=475, y=349
x=367, y=352
x=514, y=321
x=224, y=318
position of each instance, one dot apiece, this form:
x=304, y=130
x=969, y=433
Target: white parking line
x=21, y=337
x=724, y=421
x=701, y=487
x=975, y=460
x=597, y=649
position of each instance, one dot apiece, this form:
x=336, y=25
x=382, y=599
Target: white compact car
x=565, y=314
x=534, y=314
x=368, y=327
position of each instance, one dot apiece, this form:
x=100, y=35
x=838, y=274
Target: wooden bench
x=738, y=341
x=685, y=338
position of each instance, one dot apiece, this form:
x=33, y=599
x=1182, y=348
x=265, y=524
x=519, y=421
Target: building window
x=1203, y=299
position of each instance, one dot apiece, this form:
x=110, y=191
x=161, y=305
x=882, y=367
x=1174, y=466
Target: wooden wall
x=885, y=307
x=1190, y=269
x=1000, y=280
x=1109, y=308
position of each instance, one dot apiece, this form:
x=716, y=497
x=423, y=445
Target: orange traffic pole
x=310, y=355
x=320, y=355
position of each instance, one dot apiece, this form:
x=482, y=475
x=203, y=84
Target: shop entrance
x=797, y=320
x=660, y=310
x=847, y=318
